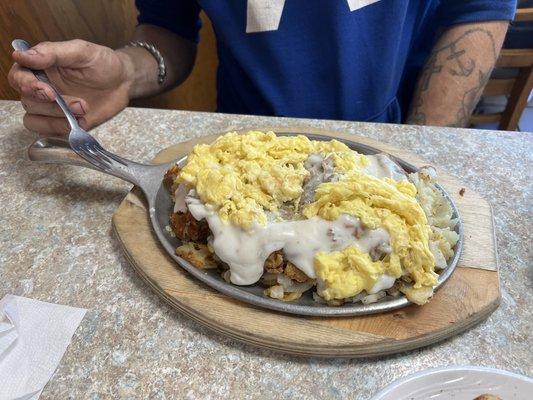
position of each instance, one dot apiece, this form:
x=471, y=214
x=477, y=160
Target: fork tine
x=100, y=164
x=108, y=155
x=94, y=150
x=92, y=158
x=99, y=150
x=90, y=149
x=112, y=156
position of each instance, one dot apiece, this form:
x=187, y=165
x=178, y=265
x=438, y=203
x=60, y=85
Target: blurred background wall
x=107, y=22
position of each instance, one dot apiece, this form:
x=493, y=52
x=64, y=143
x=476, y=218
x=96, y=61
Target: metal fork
x=91, y=150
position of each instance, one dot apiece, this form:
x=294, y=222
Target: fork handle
x=22, y=45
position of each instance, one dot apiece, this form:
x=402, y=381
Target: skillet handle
x=58, y=151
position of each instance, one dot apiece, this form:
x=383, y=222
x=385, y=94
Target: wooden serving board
x=470, y=295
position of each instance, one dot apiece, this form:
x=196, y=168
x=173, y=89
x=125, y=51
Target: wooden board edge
x=380, y=348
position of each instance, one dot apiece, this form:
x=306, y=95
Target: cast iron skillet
x=149, y=179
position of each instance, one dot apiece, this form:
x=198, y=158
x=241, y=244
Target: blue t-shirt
x=337, y=59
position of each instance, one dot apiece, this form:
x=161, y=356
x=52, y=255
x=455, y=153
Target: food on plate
x=297, y=214
x=487, y=397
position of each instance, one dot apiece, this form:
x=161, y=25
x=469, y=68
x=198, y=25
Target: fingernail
x=77, y=108
x=30, y=52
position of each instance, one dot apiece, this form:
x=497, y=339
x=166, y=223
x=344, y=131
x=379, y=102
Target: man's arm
x=142, y=70
x=458, y=68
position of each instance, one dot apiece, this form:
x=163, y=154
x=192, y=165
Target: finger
x=24, y=81
x=50, y=126
x=77, y=106
x=72, y=53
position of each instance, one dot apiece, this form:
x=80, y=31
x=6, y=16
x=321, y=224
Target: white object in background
x=263, y=15
x=357, y=4
x=33, y=338
x=458, y=383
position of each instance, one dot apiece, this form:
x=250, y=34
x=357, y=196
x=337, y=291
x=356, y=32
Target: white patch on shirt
x=357, y=4
x=263, y=15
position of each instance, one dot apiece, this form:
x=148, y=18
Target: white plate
x=459, y=383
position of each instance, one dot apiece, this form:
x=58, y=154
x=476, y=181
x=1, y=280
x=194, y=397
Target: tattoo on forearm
x=462, y=68
x=470, y=100
x=453, y=58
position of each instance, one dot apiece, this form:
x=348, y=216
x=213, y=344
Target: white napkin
x=33, y=338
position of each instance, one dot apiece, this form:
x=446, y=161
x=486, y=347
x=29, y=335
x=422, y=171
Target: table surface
x=56, y=245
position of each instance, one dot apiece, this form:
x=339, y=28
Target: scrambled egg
x=377, y=203
x=242, y=176
x=346, y=273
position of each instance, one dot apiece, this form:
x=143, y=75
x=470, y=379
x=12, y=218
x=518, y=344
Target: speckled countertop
x=56, y=245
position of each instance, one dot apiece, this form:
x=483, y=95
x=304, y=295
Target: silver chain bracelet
x=162, y=70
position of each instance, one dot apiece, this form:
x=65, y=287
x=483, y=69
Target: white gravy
x=179, y=199
x=384, y=282
x=246, y=251
x=382, y=166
